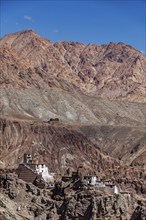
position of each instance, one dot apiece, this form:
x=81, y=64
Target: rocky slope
x=97, y=90
x=56, y=145
x=20, y=200
x=113, y=126
x=115, y=71
x=70, y=104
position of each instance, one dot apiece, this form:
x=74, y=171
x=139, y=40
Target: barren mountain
x=58, y=146
x=98, y=91
x=115, y=71
x=20, y=200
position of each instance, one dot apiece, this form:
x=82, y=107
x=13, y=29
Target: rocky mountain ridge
x=115, y=71
x=20, y=200
x=98, y=90
x=72, y=105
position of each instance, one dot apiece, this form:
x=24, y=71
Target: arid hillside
x=96, y=94
x=21, y=200
x=115, y=71
x=58, y=146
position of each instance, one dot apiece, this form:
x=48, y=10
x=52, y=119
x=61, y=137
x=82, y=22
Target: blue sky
x=98, y=22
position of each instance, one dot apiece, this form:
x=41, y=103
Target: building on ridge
x=32, y=172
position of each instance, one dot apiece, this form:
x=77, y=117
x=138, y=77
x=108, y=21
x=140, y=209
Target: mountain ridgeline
x=94, y=91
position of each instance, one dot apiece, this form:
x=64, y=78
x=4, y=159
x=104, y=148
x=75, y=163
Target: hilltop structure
x=78, y=180
x=34, y=173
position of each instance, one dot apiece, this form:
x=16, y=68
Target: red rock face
x=57, y=146
x=94, y=89
x=115, y=71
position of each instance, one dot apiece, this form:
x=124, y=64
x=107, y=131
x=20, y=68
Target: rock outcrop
x=18, y=202
x=57, y=146
x=115, y=71
x=41, y=80
x=70, y=104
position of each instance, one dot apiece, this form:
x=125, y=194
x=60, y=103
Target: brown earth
x=99, y=91
x=71, y=105
x=20, y=200
x=58, y=146
x=115, y=71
